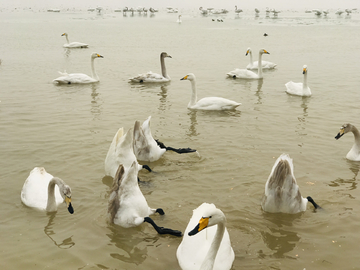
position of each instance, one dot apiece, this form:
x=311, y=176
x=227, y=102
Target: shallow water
x=68, y=130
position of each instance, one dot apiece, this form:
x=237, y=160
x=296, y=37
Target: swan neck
x=356, y=133
x=93, y=72
x=163, y=68
x=260, y=73
x=209, y=260
x=67, y=39
x=305, y=81
x=193, y=94
x=51, y=202
x=251, y=58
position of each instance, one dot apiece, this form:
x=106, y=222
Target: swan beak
x=63, y=34
x=203, y=223
x=169, y=56
x=100, y=56
x=265, y=51
x=68, y=205
x=247, y=52
x=341, y=133
x=185, y=78
x=304, y=70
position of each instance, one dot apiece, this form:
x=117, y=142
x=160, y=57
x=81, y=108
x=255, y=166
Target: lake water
x=68, y=129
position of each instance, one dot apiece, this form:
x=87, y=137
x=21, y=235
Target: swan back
x=127, y=205
x=120, y=152
x=282, y=193
x=34, y=192
x=145, y=147
x=194, y=249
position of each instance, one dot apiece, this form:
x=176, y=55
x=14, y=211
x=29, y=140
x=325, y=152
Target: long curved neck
x=305, y=81
x=356, y=133
x=209, y=260
x=67, y=39
x=251, y=59
x=51, y=202
x=93, y=72
x=163, y=68
x=260, y=73
x=193, y=94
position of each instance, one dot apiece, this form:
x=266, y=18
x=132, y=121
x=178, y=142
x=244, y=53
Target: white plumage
x=73, y=44
x=299, y=89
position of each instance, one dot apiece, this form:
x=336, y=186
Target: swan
x=179, y=19
x=121, y=152
x=43, y=191
x=354, y=153
x=80, y=77
x=237, y=11
x=282, y=193
x=73, y=44
x=127, y=205
x=247, y=74
x=208, y=103
x=206, y=250
x=255, y=65
x=299, y=89
x=146, y=148
x=150, y=77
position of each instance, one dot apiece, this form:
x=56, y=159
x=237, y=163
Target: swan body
x=247, y=74
x=354, y=153
x=208, y=103
x=73, y=44
x=80, y=78
x=255, y=64
x=43, y=191
x=237, y=11
x=145, y=147
x=121, y=152
x=299, y=89
x=151, y=77
x=282, y=193
x=210, y=250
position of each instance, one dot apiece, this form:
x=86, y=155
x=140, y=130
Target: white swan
x=121, y=152
x=43, y=191
x=146, y=148
x=282, y=193
x=206, y=250
x=208, y=103
x=247, y=74
x=127, y=205
x=255, y=65
x=299, y=89
x=237, y=11
x=179, y=19
x=73, y=44
x=354, y=153
x=151, y=77
x=80, y=77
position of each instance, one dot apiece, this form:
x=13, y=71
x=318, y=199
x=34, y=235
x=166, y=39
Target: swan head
x=96, y=55
x=66, y=194
x=164, y=54
x=65, y=34
x=210, y=217
x=262, y=51
x=248, y=51
x=190, y=77
x=304, y=69
x=343, y=130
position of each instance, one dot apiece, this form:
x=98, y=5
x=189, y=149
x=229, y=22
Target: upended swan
x=146, y=148
x=43, y=191
x=73, y=44
x=151, y=77
x=127, y=205
x=209, y=250
x=80, y=77
x=247, y=74
x=299, y=89
x=354, y=153
x=282, y=193
x=121, y=152
x=208, y=103
x=255, y=65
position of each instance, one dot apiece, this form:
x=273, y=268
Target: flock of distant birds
x=127, y=205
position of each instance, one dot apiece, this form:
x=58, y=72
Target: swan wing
x=76, y=45
x=215, y=103
x=35, y=189
x=242, y=74
x=140, y=143
x=74, y=78
x=293, y=88
x=149, y=77
x=265, y=65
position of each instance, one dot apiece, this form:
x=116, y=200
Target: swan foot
x=160, y=211
x=162, y=230
x=313, y=203
x=179, y=150
x=234, y=76
x=147, y=168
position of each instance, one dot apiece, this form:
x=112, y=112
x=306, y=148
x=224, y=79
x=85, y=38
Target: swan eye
x=210, y=217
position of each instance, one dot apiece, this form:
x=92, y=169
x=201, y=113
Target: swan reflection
x=351, y=183
x=48, y=230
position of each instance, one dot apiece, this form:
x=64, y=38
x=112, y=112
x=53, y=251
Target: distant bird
x=265, y=35
x=339, y=12
x=317, y=12
x=179, y=19
x=348, y=11
x=257, y=11
x=238, y=11
x=203, y=11
x=73, y=44
x=282, y=194
x=354, y=153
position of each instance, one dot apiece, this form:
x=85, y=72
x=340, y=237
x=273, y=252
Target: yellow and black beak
x=247, y=52
x=63, y=34
x=265, y=51
x=68, y=205
x=341, y=133
x=185, y=78
x=98, y=55
x=203, y=223
x=304, y=70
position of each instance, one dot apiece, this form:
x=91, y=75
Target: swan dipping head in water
x=354, y=153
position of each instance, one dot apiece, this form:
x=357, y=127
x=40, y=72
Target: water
x=68, y=130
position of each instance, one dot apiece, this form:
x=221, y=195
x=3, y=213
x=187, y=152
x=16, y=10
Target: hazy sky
x=228, y=4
